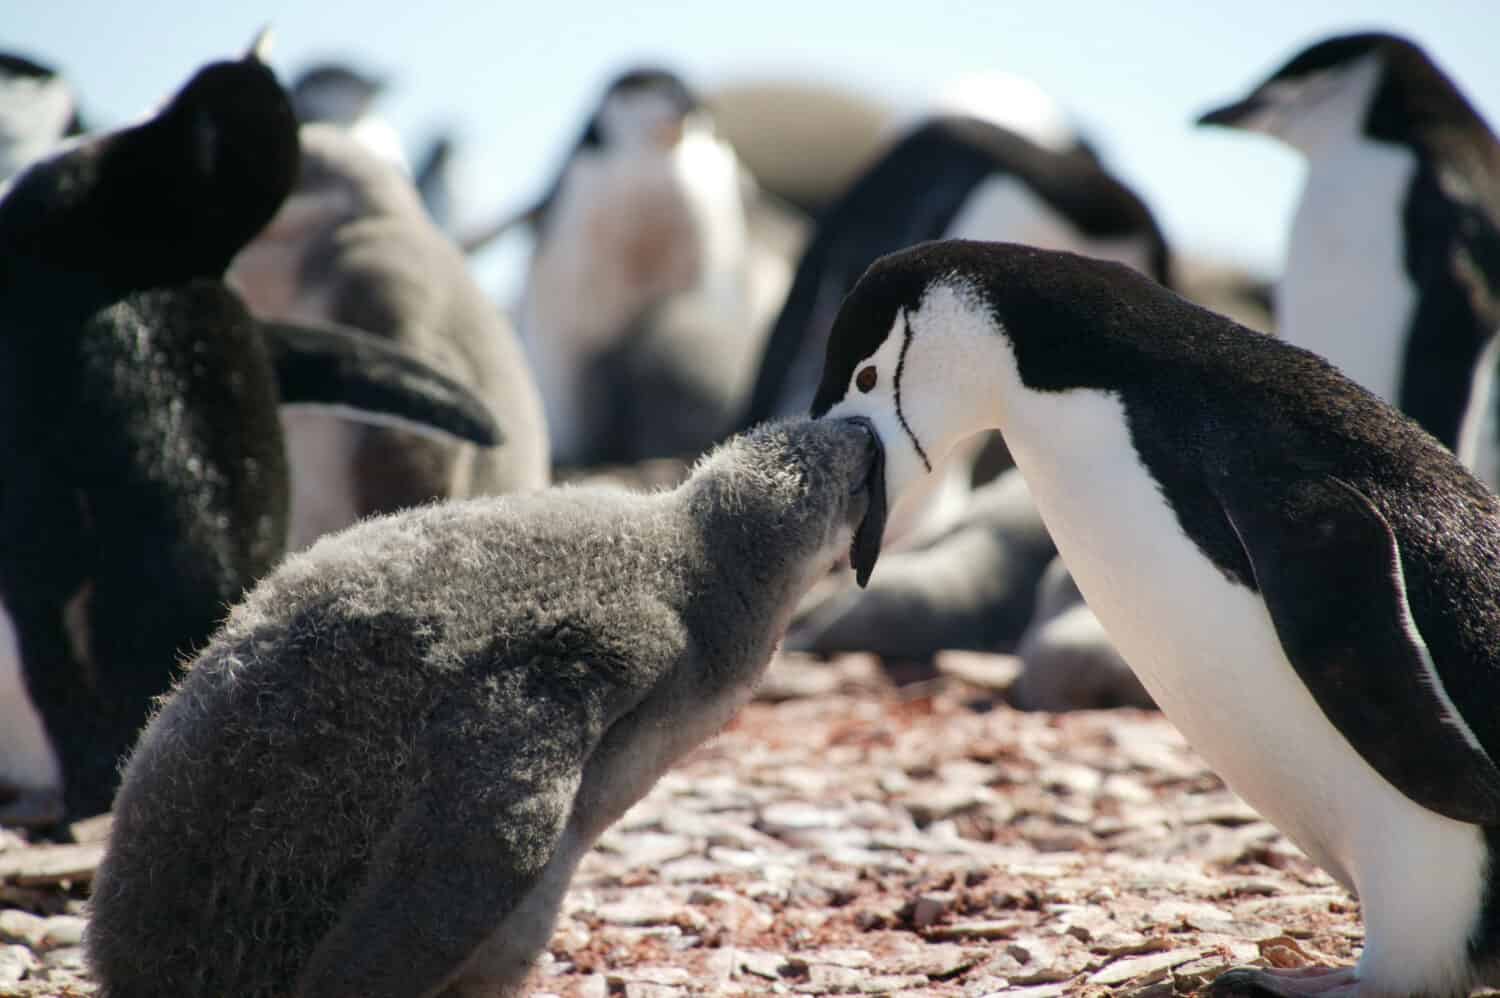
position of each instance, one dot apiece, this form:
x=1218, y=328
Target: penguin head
x=943, y=340
x=1322, y=93
x=171, y=199
x=644, y=108
x=902, y=354
x=334, y=93
x=37, y=109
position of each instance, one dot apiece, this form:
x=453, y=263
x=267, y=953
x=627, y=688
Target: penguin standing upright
x=1322, y=617
x=144, y=478
x=1393, y=269
x=637, y=312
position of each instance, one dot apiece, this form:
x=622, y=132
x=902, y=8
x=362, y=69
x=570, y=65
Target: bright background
x=513, y=80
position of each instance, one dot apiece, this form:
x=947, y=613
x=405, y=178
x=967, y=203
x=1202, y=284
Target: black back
x=913, y=194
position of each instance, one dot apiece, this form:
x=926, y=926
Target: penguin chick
x=1393, y=266
x=354, y=246
x=1321, y=616
x=1067, y=659
x=378, y=777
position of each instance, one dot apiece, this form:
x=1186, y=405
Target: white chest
x=26, y=757
x=1207, y=651
x=1345, y=293
x=626, y=232
x=1003, y=209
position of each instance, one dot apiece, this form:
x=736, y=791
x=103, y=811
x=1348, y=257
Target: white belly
x=320, y=450
x=1004, y=209
x=26, y=758
x=1207, y=652
x=626, y=232
x=1345, y=293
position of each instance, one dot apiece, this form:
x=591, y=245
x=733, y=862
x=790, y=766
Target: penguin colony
x=263, y=330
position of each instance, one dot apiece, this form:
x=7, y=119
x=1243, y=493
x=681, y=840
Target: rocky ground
x=847, y=835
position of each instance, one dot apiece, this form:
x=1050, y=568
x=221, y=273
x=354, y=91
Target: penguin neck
x=753, y=565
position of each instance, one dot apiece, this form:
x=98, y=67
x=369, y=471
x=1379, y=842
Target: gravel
x=867, y=839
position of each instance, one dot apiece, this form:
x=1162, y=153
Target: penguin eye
x=865, y=379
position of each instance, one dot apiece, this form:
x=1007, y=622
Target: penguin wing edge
x=373, y=382
x=1328, y=567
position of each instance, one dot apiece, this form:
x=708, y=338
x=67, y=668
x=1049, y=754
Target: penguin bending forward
x=378, y=777
x=1323, y=618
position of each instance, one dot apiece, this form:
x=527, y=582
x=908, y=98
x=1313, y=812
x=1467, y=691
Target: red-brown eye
x=865, y=379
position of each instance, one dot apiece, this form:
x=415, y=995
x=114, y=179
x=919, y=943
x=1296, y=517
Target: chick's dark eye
x=866, y=378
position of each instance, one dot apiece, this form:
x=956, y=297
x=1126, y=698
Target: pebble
x=15, y=963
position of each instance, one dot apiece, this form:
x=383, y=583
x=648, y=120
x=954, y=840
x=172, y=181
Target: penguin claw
x=1255, y=982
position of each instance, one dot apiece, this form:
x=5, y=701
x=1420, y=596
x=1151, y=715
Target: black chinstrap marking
x=896, y=393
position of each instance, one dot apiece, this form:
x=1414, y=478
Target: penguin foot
x=1253, y=982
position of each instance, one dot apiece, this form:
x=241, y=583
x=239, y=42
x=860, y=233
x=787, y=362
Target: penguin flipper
x=345, y=368
x=1328, y=567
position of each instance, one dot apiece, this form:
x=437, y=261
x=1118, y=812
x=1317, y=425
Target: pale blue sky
x=514, y=79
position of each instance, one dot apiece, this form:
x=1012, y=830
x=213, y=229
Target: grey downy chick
x=378, y=777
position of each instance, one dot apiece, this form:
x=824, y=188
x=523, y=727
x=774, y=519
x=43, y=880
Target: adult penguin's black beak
x=1231, y=115
x=864, y=550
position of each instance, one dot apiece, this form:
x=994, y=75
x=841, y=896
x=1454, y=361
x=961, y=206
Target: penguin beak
x=1233, y=115
x=864, y=549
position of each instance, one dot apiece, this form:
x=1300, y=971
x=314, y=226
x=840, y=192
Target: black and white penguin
x=950, y=177
x=1322, y=618
x=379, y=776
x=1393, y=268
x=641, y=269
x=335, y=93
x=145, y=484
x=37, y=110
x=353, y=246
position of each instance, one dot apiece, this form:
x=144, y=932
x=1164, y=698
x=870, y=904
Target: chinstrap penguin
x=145, y=484
x=378, y=777
x=641, y=269
x=353, y=246
x=1393, y=267
x=1321, y=619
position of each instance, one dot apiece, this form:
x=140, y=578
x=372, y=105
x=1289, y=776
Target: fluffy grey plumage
x=377, y=779
x=354, y=245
